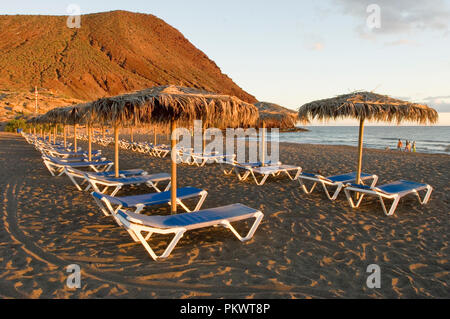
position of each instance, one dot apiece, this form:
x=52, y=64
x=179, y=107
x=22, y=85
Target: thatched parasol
x=174, y=105
x=367, y=106
x=273, y=115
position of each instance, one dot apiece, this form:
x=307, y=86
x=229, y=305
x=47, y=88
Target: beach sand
x=305, y=247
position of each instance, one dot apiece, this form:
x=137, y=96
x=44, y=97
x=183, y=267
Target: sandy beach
x=305, y=247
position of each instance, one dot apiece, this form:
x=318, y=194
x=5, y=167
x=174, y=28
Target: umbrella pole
x=116, y=151
x=89, y=142
x=263, y=157
x=75, y=138
x=360, y=149
x=55, y=131
x=65, y=136
x=131, y=134
x=203, y=140
x=154, y=135
x=173, y=171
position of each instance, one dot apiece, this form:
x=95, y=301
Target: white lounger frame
x=73, y=174
x=58, y=169
x=136, y=231
x=271, y=170
x=96, y=183
x=108, y=210
x=201, y=160
x=395, y=197
x=325, y=182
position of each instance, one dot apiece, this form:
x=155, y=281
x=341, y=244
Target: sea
x=429, y=139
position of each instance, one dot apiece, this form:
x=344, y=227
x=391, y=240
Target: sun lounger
x=238, y=168
x=151, y=180
x=56, y=166
x=79, y=159
x=394, y=191
x=338, y=181
x=243, y=171
x=69, y=154
x=272, y=170
x=74, y=174
x=202, y=159
x=139, y=202
x=180, y=223
x=161, y=150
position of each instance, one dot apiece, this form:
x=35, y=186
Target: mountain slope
x=112, y=53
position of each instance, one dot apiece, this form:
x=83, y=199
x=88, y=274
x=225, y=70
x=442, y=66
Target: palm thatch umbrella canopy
x=172, y=105
x=272, y=115
x=164, y=104
x=367, y=106
x=73, y=115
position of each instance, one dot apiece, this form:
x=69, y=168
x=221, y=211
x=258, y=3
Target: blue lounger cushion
x=129, y=172
x=346, y=177
x=343, y=178
x=71, y=161
x=400, y=186
x=203, y=217
x=133, y=179
x=84, y=164
x=149, y=199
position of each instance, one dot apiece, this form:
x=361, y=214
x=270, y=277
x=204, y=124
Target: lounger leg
x=228, y=172
x=116, y=190
x=60, y=171
x=182, y=205
x=197, y=207
x=154, y=185
x=393, y=207
x=72, y=178
x=244, y=176
x=200, y=202
x=336, y=192
x=374, y=181
x=50, y=169
x=258, y=217
x=303, y=186
x=427, y=195
x=350, y=199
x=169, y=248
x=263, y=180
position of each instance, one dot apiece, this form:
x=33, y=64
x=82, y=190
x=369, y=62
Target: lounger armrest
x=365, y=187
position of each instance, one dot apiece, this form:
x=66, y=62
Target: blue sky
x=291, y=52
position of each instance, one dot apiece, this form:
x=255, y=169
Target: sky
x=292, y=52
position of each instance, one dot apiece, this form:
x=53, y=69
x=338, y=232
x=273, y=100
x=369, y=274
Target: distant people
x=414, y=146
x=408, y=146
x=399, y=145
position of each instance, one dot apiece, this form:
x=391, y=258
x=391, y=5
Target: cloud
x=441, y=107
x=440, y=97
x=440, y=103
x=400, y=42
x=399, y=16
x=318, y=46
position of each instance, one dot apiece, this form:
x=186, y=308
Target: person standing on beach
x=408, y=146
x=414, y=146
x=399, y=145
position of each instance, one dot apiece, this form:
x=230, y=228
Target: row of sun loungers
x=100, y=180
x=184, y=155
x=338, y=182
x=105, y=186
